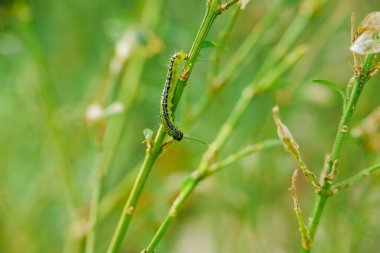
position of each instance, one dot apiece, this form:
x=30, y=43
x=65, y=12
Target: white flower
x=368, y=41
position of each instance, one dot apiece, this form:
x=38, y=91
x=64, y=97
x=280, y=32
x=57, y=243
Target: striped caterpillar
x=166, y=109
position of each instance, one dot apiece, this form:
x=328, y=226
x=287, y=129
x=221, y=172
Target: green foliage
x=208, y=43
x=80, y=89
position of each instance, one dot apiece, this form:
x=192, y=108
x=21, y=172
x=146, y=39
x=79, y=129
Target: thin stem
x=190, y=185
x=217, y=166
x=304, y=232
x=113, y=197
x=295, y=29
x=107, y=152
x=342, y=132
x=116, y=125
x=223, y=36
x=344, y=124
x=192, y=182
x=117, y=193
x=234, y=65
x=292, y=147
x=247, y=95
x=93, y=219
x=317, y=212
x=359, y=176
x=212, y=11
x=49, y=104
x=151, y=154
x=126, y=216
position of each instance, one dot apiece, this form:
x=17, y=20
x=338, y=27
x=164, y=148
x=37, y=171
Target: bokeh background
x=61, y=60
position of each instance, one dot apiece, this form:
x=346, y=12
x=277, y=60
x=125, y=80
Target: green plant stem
x=359, y=176
x=302, y=227
x=113, y=197
x=234, y=65
x=49, y=105
x=251, y=91
x=195, y=179
x=247, y=95
x=94, y=206
x=116, y=124
x=178, y=203
x=342, y=132
x=294, y=31
x=223, y=36
x=212, y=12
x=292, y=147
x=304, y=232
x=106, y=154
x=117, y=193
x=216, y=167
x=126, y=216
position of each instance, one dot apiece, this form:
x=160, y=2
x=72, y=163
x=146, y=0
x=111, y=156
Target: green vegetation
x=87, y=167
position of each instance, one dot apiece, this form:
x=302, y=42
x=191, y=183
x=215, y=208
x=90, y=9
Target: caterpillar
x=166, y=109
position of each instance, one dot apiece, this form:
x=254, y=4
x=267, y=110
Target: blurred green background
x=55, y=65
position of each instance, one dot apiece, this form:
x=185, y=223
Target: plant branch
x=247, y=95
x=116, y=125
x=129, y=208
x=359, y=176
x=212, y=11
x=304, y=232
x=223, y=36
x=298, y=25
x=292, y=147
x=218, y=166
x=191, y=183
x=234, y=65
x=342, y=132
x=151, y=155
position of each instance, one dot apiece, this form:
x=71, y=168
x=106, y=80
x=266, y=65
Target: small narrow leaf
x=190, y=138
x=332, y=86
x=209, y=43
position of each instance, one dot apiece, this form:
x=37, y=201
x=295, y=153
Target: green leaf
x=209, y=43
x=332, y=86
x=190, y=138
